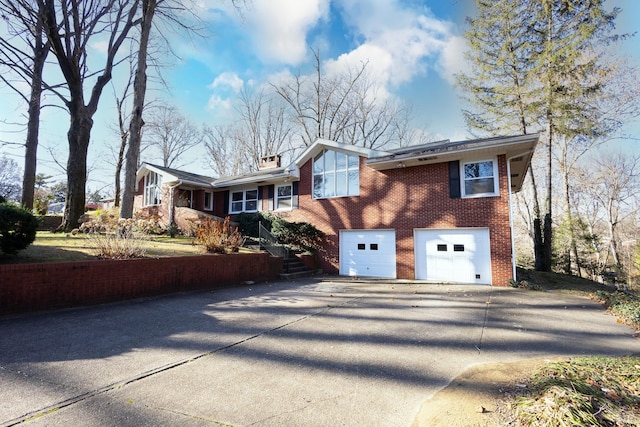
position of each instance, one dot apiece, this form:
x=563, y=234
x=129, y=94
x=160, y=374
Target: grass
x=59, y=247
x=590, y=391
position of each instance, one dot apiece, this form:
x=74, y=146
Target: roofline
x=174, y=178
x=267, y=176
x=455, y=148
x=311, y=150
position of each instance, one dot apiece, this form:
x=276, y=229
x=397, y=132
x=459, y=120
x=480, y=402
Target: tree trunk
x=78, y=136
x=572, y=232
x=135, y=127
x=40, y=52
x=538, y=247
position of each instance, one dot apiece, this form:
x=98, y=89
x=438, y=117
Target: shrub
x=300, y=235
x=120, y=245
x=218, y=237
x=624, y=305
x=248, y=222
x=17, y=228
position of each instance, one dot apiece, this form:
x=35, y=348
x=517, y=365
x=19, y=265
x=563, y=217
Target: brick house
x=437, y=212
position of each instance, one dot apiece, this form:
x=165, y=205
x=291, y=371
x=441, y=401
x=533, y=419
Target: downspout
x=172, y=207
x=513, y=242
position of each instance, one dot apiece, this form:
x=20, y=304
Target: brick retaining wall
x=37, y=287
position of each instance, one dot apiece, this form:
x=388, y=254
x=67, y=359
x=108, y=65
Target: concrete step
x=299, y=275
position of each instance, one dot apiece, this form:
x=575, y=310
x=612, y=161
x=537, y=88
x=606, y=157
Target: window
x=152, y=189
x=373, y=246
x=283, y=196
x=208, y=201
x=458, y=248
x=442, y=248
x=244, y=201
x=335, y=174
x=361, y=246
x=480, y=178
x=185, y=199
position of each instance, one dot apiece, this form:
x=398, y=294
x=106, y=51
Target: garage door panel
x=453, y=255
x=368, y=253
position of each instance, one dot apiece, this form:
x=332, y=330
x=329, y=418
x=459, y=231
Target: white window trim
x=277, y=199
x=208, y=207
x=313, y=174
x=496, y=178
x=244, y=200
x=157, y=188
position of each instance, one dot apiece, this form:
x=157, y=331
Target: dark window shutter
x=226, y=202
x=294, y=196
x=270, y=196
x=454, y=179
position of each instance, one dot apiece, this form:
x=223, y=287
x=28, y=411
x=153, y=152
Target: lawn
x=596, y=391
x=56, y=247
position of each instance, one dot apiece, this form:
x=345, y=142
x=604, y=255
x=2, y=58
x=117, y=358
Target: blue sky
x=414, y=46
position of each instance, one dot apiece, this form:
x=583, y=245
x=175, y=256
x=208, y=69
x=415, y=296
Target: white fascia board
x=144, y=167
x=511, y=146
x=320, y=143
x=256, y=179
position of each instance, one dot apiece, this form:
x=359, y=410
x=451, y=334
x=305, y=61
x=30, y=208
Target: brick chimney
x=271, y=161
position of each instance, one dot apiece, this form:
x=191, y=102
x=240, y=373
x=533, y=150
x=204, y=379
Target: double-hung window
x=152, y=189
x=284, y=195
x=244, y=201
x=480, y=178
x=335, y=174
x=208, y=201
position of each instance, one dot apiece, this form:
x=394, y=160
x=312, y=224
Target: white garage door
x=368, y=253
x=461, y=255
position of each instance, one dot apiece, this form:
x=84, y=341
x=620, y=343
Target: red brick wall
x=404, y=199
x=36, y=287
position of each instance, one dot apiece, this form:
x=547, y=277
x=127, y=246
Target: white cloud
x=218, y=103
x=228, y=79
x=399, y=40
x=279, y=28
x=452, y=60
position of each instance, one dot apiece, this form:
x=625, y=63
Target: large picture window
x=335, y=174
x=244, y=201
x=480, y=178
x=152, y=189
x=284, y=195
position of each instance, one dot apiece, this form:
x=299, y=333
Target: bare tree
x=171, y=134
x=263, y=128
x=224, y=156
x=136, y=123
x=616, y=180
x=343, y=106
x=70, y=26
x=24, y=21
x=123, y=134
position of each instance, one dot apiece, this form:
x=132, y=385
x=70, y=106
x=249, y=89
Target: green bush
x=248, y=222
x=625, y=305
x=17, y=228
x=300, y=235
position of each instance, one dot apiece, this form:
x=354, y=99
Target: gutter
x=172, y=208
x=513, y=243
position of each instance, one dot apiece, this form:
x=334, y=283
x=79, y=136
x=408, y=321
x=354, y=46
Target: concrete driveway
x=315, y=352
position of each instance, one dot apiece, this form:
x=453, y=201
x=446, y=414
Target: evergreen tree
x=538, y=65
